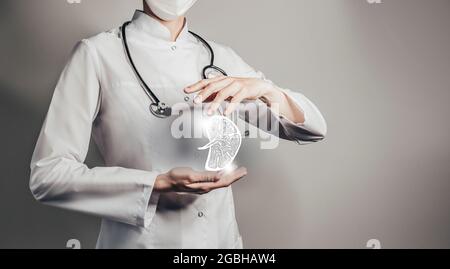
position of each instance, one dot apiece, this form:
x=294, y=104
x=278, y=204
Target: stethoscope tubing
x=149, y=92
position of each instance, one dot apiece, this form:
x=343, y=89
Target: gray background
x=380, y=73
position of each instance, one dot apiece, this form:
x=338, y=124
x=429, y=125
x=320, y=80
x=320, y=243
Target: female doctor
x=146, y=195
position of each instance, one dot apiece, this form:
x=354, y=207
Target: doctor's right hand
x=183, y=179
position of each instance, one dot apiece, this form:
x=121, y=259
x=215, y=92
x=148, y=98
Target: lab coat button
x=186, y=98
x=173, y=47
x=200, y=214
x=247, y=133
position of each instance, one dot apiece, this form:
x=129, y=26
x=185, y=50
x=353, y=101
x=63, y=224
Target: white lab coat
x=98, y=94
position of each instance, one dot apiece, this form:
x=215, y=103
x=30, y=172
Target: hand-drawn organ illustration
x=224, y=142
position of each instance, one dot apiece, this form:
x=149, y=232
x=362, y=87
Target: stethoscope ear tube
x=157, y=108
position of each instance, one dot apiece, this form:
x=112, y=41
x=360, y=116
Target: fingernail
x=198, y=99
x=210, y=112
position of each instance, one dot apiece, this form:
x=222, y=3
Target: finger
x=196, y=188
x=200, y=188
x=208, y=176
x=234, y=102
x=212, y=88
x=228, y=179
x=225, y=181
x=223, y=94
x=201, y=84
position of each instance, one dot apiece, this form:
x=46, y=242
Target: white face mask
x=170, y=10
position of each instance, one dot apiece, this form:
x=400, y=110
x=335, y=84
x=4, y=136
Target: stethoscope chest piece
x=160, y=110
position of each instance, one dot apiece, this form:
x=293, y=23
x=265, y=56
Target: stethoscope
x=158, y=108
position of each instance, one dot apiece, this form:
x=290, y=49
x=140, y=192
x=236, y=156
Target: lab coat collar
x=154, y=28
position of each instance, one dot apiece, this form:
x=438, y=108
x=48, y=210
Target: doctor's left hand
x=235, y=90
x=185, y=179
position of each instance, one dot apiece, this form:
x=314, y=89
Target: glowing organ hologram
x=224, y=142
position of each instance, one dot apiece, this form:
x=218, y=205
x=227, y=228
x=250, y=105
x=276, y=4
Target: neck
x=175, y=27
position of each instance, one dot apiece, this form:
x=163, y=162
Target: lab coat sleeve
x=59, y=176
x=312, y=130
